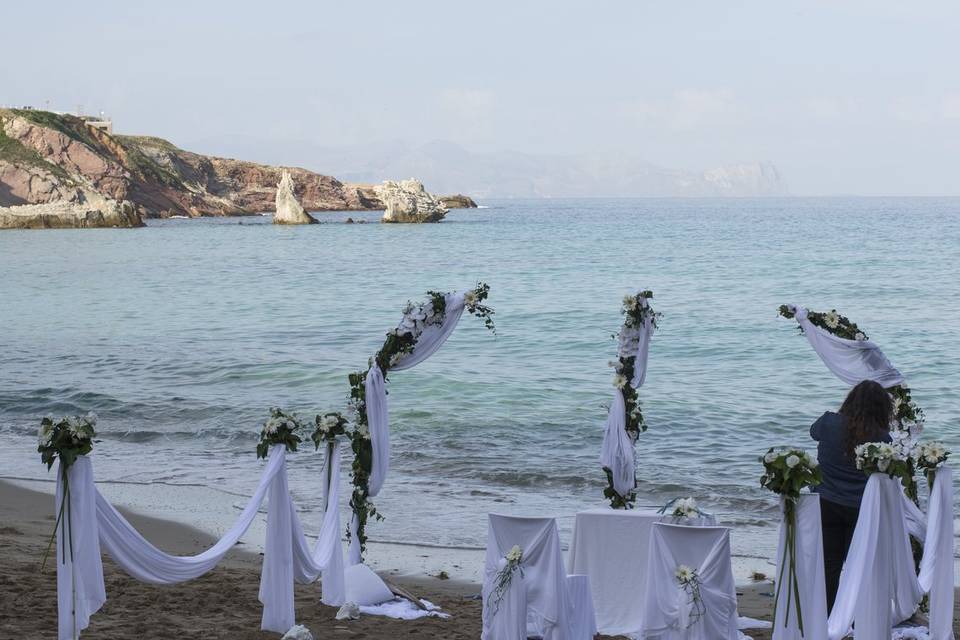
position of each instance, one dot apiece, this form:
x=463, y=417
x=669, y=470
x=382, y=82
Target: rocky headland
x=71, y=168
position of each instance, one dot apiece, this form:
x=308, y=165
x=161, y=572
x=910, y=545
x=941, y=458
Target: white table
x=610, y=546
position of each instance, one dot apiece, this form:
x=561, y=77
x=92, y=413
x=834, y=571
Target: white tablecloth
x=610, y=547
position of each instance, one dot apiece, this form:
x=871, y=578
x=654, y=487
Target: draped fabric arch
x=94, y=524
x=375, y=396
x=850, y=360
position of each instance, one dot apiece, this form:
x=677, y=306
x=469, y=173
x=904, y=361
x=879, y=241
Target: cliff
x=53, y=158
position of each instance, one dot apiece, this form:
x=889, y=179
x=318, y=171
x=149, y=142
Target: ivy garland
x=399, y=342
x=636, y=310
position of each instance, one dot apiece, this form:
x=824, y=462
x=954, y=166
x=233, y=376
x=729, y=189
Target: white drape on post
x=617, y=451
x=80, y=588
x=286, y=554
x=853, y=361
x=375, y=397
x=879, y=569
x=810, y=576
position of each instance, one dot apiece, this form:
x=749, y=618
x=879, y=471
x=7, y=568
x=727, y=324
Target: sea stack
x=408, y=201
x=289, y=210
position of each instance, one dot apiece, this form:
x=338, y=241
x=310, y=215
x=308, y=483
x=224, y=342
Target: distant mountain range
x=446, y=167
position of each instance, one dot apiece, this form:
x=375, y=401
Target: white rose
x=792, y=461
x=771, y=457
x=860, y=337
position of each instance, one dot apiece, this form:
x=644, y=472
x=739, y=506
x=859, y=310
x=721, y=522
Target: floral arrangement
x=400, y=342
x=682, y=509
x=637, y=311
x=882, y=457
x=66, y=439
x=930, y=456
x=689, y=581
x=328, y=427
x=504, y=577
x=281, y=428
x=787, y=472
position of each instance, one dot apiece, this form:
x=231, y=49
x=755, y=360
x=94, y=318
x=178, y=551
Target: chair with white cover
x=549, y=610
x=667, y=607
x=809, y=575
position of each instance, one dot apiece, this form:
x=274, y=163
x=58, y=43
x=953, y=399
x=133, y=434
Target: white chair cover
x=810, y=576
x=666, y=605
x=617, y=452
x=375, y=397
x=506, y=619
x=93, y=517
x=545, y=580
x=853, y=361
x=583, y=622
x=879, y=569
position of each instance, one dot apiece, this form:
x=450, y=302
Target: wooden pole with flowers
x=625, y=421
x=400, y=343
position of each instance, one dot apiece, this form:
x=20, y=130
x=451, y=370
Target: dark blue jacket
x=842, y=483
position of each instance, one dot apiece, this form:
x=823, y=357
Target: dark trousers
x=838, y=522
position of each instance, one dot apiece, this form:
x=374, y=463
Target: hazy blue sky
x=845, y=96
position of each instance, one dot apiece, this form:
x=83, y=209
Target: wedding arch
x=849, y=353
x=625, y=420
x=421, y=332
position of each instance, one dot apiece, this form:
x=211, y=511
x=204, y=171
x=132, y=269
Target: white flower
x=684, y=573
x=515, y=554
x=364, y=431
x=792, y=461
x=43, y=435
x=629, y=302
x=329, y=422
x=859, y=337
x=832, y=319
x=395, y=358
x=470, y=298
x=619, y=381
x=771, y=457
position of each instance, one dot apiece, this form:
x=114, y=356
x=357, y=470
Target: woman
x=865, y=416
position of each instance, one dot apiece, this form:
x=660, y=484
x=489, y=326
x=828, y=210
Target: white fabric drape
x=853, y=361
x=286, y=554
x=506, y=619
x=80, y=588
x=548, y=600
x=617, y=451
x=375, y=397
x=810, y=576
x=879, y=568
x=666, y=607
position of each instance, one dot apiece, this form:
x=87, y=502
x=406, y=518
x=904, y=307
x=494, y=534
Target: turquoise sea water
x=182, y=335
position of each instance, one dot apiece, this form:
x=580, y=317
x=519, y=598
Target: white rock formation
x=408, y=201
x=289, y=210
x=90, y=213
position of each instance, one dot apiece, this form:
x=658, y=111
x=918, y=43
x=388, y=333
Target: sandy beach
x=222, y=604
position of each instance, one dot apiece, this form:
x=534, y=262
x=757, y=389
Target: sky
x=843, y=96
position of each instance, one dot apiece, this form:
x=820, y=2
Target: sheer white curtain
x=375, y=396
x=617, y=451
x=852, y=361
x=286, y=555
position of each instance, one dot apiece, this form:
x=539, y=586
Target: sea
x=182, y=335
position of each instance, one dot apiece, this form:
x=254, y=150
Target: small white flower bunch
x=880, y=456
x=788, y=471
x=514, y=563
x=628, y=341
x=417, y=317
x=685, y=508
x=859, y=337
x=280, y=428
x=515, y=555
x=685, y=575
x=931, y=455
x=328, y=427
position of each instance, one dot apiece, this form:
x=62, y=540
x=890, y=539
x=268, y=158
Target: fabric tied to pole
x=810, y=575
x=80, y=587
x=643, y=351
x=617, y=453
x=853, y=361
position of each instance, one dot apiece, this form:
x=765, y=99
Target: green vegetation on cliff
x=16, y=154
x=70, y=126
